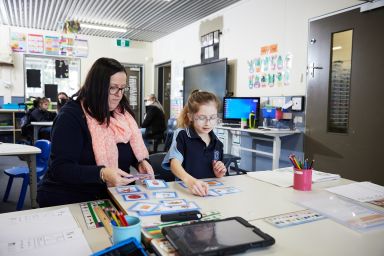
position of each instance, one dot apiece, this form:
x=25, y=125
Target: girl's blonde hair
x=195, y=100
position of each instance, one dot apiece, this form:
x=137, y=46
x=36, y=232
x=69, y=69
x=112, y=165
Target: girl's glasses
x=116, y=90
x=203, y=119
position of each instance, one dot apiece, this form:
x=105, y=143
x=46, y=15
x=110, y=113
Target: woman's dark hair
x=62, y=93
x=95, y=90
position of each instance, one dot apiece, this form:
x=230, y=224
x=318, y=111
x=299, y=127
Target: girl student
x=196, y=152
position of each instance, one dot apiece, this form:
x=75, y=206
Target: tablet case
x=127, y=247
x=184, y=250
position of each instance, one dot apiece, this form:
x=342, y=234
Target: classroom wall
x=247, y=26
x=139, y=53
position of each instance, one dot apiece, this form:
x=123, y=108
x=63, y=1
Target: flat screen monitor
x=211, y=77
x=235, y=108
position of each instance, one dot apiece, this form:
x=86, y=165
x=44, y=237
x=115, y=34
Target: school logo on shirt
x=216, y=155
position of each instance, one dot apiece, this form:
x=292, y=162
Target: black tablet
x=216, y=237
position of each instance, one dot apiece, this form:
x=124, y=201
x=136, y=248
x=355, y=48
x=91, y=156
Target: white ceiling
x=145, y=20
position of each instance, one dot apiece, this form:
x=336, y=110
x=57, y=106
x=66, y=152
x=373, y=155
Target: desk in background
x=36, y=128
x=8, y=149
x=273, y=135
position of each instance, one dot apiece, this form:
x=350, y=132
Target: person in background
x=62, y=98
x=41, y=114
x=196, y=152
x=26, y=127
x=95, y=141
x=154, y=119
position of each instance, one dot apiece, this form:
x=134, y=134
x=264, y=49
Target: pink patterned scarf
x=122, y=129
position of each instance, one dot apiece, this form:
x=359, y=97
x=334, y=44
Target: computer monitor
x=210, y=77
x=235, y=108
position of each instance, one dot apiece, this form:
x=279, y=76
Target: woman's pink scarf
x=122, y=129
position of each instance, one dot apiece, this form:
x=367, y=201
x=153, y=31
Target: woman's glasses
x=116, y=90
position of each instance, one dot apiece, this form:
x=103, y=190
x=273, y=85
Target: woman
x=95, y=140
x=62, y=98
x=153, y=125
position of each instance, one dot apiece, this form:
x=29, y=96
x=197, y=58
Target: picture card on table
x=162, y=209
x=212, y=192
x=226, y=190
x=174, y=202
x=143, y=207
x=143, y=176
x=164, y=195
x=156, y=184
x=127, y=189
x=134, y=196
x=213, y=183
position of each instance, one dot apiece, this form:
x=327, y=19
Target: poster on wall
x=80, y=48
x=270, y=69
x=35, y=43
x=18, y=42
x=66, y=45
x=177, y=88
x=52, y=45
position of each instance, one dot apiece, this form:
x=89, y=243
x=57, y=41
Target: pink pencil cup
x=302, y=179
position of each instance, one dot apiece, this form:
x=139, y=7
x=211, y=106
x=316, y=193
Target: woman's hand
x=197, y=187
x=145, y=167
x=115, y=177
x=219, y=168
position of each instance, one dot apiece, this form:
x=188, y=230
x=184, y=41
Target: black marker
x=181, y=216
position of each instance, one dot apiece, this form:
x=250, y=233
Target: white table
x=274, y=136
x=9, y=149
x=258, y=200
x=319, y=238
x=37, y=126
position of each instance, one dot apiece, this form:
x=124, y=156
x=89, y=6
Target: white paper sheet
x=45, y=233
x=360, y=191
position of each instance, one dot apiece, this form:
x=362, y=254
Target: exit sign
x=123, y=42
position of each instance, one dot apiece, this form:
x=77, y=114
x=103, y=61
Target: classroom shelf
x=10, y=129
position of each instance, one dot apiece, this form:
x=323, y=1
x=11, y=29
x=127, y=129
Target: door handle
x=313, y=67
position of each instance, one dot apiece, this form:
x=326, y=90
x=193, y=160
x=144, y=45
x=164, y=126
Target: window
x=43, y=74
x=340, y=82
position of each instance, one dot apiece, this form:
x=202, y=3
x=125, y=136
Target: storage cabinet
x=10, y=122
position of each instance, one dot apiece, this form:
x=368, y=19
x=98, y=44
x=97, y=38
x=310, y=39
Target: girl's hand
x=197, y=187
x=145, y=167
x=219, y=168
x=114, y=177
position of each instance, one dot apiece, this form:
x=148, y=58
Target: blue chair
x=23, y=172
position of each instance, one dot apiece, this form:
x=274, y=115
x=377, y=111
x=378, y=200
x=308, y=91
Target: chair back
x=171, y=124
x=43, y=157
x=156, y=160
x=171, y=127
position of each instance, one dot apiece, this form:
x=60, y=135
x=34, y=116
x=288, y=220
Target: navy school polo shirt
x=196, y=157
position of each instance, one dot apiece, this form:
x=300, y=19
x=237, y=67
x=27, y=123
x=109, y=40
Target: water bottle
x=252, y=120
